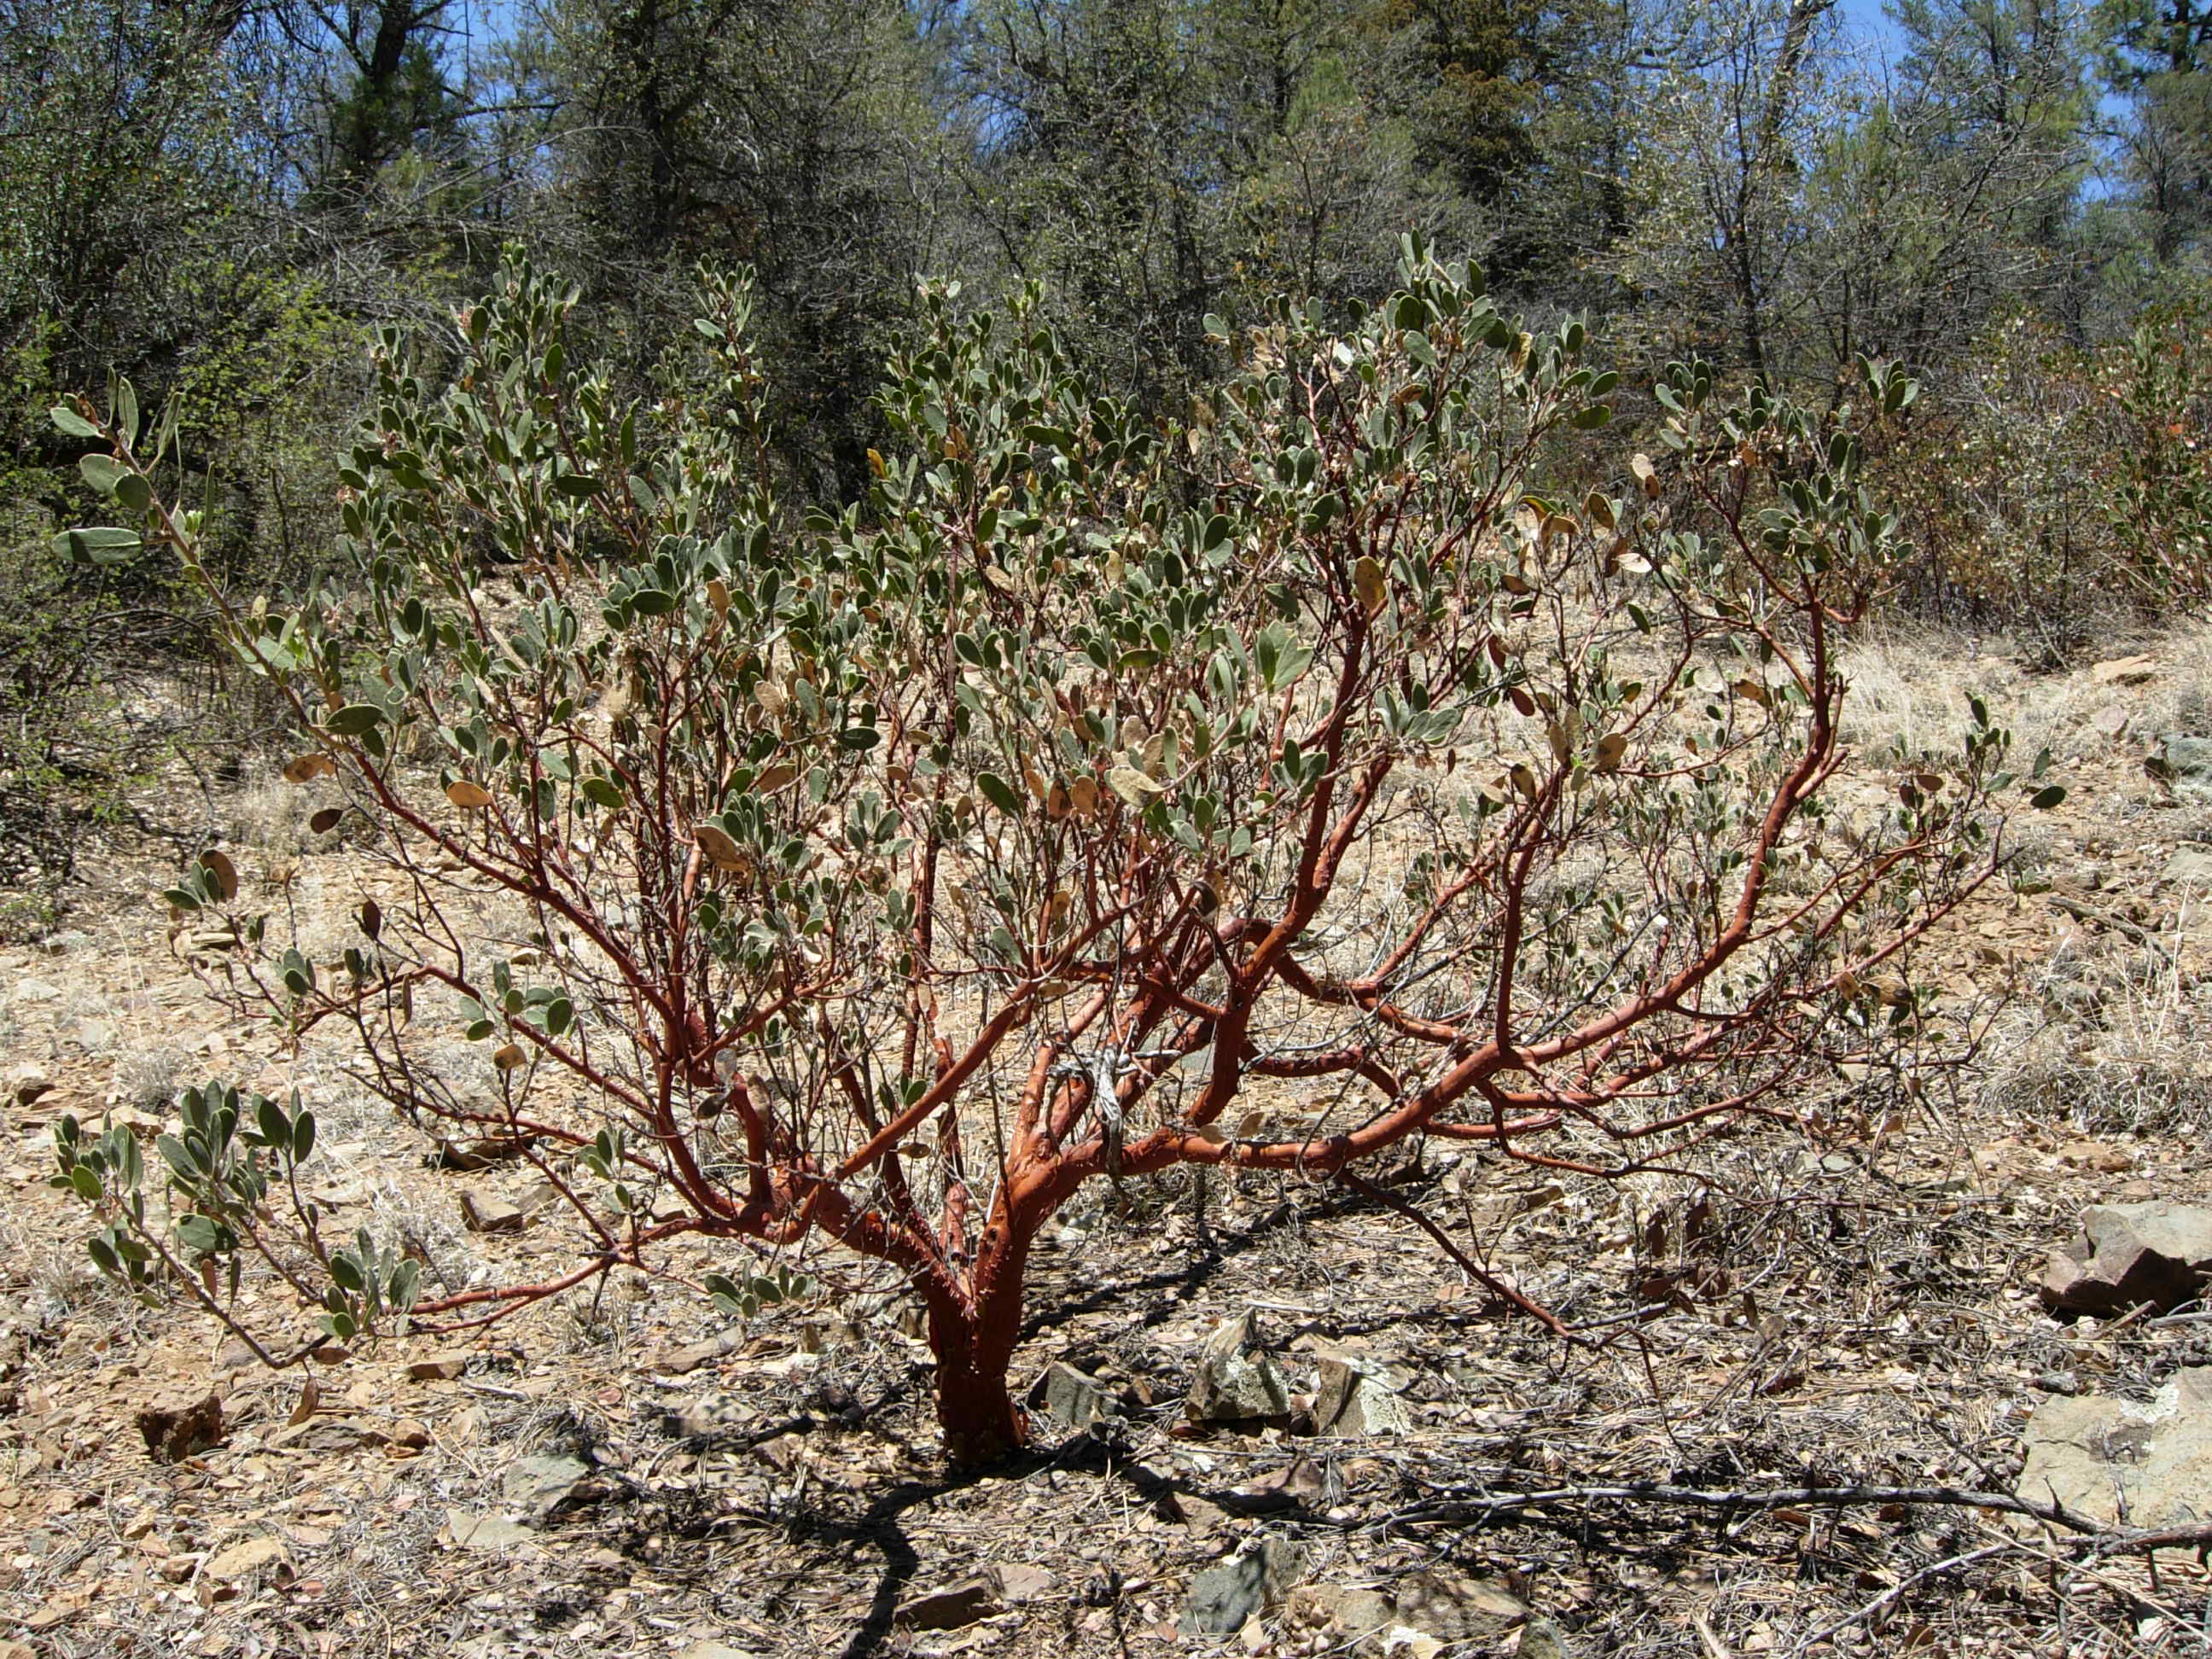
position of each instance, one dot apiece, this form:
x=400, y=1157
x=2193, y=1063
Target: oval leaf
x=720, y=848
x=1132, y=786
x=97, y=544
x=102, y=472
x=354, y=720
x=1367, y=577
x=221, y=872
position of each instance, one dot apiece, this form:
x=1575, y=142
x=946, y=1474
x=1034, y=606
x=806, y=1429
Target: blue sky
x=1869, y=20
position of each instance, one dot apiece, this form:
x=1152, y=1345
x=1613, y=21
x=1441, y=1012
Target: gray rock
x=2124, y=671
x=1456, y=1608
x=235, y=1356
x=678, y=1362
x=1542, y=1639
x=483, y=1214
x=470, y=1530
x=1076, y=1398
x=2184, y=763
x=2158, y=1252
x=539, y=1486
x=321, y=1434
x=1257, y=1577
x=1020, y=1582
x=444, y=1366
x=1452, y=1610
x=714, y=1415
x=1352, y=1400
x=2117, y=1461
x=2189, y=866
x=90, y=1033
x=1236, y=1381
x=241, y=1560
x=1358, y=1610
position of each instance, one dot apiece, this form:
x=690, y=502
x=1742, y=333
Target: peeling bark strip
x=887, y=880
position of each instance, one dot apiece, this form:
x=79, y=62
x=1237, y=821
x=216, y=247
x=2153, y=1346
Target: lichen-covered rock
x=1432, y=1611
x=2184, y=763
x=1076, y=1398
x=1256, y=1578
x=1352, y=1400
x=1236, y=1381
x=2120, y=1463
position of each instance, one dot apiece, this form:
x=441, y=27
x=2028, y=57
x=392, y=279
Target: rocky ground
x=617, y=1474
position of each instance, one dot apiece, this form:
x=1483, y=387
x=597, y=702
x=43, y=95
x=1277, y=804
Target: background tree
x=2155, y=58
x=803, y=141
x=1950, y=198
x=1100, y=172
x=389, y=91
x=1521, y=107
x=224, y=203
x=140, y=236
x=1740, y=101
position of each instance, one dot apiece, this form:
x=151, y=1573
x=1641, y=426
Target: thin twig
x=1490, y=1281
x=1653, y=1492
x=2119, y=925
x=1964, y=1558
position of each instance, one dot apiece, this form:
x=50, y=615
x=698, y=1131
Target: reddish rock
x=2158, y=1253
x=180, y=1426
x=954, y=1607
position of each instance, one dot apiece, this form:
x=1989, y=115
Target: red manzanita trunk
x=975, y=1407
x=973, y=1331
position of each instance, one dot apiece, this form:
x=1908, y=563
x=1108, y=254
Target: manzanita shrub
x=1090, y=799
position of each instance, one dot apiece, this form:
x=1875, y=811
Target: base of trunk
x=974, y=1409
x=981, y=1432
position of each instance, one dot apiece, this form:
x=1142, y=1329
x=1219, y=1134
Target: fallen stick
x=1490, y=1281
x=2119, y=925
x=1654, y=1491
x=1949, y=1564
x=2091, y=1537
x=2197, y=1537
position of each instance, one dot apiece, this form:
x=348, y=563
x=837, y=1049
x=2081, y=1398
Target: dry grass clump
x=47, y=1280
x=1909, y=683
x=273, y=817
x=2118, y=1042
x=146, y=1076
x=1908, y=687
